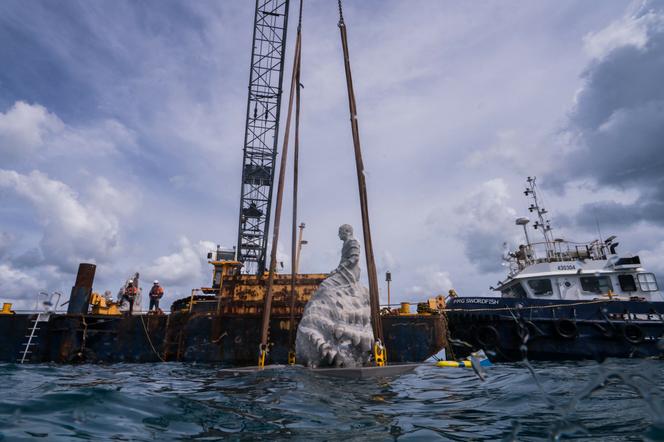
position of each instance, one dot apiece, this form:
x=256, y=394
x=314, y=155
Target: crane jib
x=261, y=131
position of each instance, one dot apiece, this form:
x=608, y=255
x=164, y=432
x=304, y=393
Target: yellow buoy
x=454, y=364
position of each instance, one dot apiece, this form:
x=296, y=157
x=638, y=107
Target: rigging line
x=296, y=155
x=267, y=304
x=147, y=335
x=299, y=18
x=341, y=14
x=364, y=205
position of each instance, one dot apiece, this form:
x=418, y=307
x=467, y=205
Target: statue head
x=345, y=232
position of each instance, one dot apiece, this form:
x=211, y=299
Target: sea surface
x=616, y=400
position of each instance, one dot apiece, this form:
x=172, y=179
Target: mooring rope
x=147, y=335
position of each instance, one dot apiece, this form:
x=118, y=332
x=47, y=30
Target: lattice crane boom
x=262, y=131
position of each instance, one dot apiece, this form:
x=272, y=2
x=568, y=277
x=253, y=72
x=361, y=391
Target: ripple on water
x=615, y=401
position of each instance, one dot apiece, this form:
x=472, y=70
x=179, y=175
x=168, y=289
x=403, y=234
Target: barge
x=218, y=324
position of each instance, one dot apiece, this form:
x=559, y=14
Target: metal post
x=388, y=278
x=362, y=187
x=296, y=156
x=267, y=304
x=300, y=243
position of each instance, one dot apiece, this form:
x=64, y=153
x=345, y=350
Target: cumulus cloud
x=29, y=132
x=488, y=222
x=432, y=282
x=187, y=264
x=631, y=30
x=16, y=284
x=653, y=259
x=23, y=129
x=617, y=123
x=74, y=229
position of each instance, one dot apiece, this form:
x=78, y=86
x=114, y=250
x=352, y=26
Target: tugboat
x=562, y=301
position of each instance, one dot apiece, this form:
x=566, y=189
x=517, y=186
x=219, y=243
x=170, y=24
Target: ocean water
x=616, y=400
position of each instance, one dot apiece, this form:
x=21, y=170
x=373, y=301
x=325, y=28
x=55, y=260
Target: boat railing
x=37, y=312
x=558, y=250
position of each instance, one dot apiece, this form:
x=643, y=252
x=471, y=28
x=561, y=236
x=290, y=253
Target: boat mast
x=542, y=224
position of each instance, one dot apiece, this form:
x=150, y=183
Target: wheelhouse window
x=514, y=291
x=647, y=282
x=541, y=287
x=627, y=283
x=596, y=284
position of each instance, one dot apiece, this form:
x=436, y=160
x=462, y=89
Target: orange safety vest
x=156, y=292
x=131, y=291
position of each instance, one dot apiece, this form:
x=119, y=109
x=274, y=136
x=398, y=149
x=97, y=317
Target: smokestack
x=79, y=299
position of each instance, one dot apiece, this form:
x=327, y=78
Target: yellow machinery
x=430, y=307
x=102, y=306
x=238, y=293
x=7, y=309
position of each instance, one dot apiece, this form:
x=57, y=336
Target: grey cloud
x=29, y=259
x=485, y=250
x=74, y=228
x=488, y=222
x=5, y=242
x=618, y=126
x=648, y=207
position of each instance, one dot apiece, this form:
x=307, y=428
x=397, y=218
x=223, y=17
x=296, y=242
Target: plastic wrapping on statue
x=335, y=329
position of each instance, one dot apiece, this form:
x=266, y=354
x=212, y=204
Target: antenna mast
x=542, y=224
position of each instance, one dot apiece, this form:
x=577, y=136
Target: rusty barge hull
x=218, y=324
x=203, y=337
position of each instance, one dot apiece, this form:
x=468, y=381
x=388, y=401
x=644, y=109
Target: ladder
x=41, y=317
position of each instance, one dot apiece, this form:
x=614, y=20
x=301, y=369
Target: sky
x=122, y=123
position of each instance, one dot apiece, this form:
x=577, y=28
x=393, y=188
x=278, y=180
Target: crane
x=261, y=132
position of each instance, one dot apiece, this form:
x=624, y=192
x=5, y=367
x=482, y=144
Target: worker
x=130, y=293
x=156, y=293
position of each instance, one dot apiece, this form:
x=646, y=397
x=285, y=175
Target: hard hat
x=156, y=282
x=131, y=281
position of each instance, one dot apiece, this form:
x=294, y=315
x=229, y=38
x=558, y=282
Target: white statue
x=335, y=329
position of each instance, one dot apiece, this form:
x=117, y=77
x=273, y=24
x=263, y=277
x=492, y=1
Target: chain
x=299, y=21
x=341, y=14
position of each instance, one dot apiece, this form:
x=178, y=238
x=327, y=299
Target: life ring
x=487, y=336
x=566, y=328
x=633, y=333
